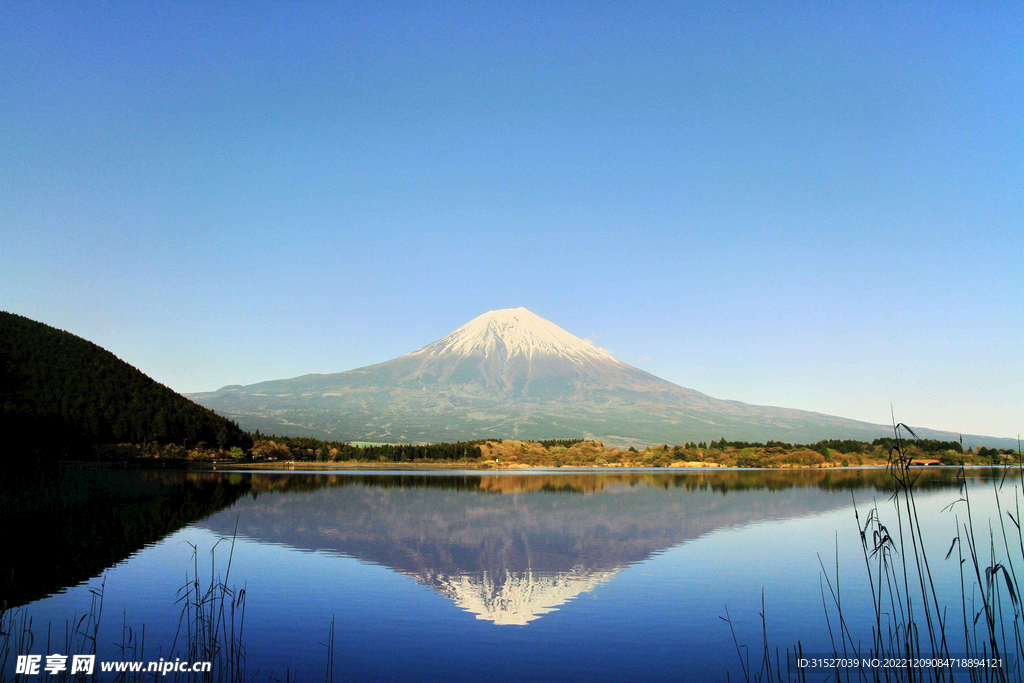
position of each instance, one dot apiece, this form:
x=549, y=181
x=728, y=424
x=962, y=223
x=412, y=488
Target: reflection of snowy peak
x=512, y=557
x=514, y=598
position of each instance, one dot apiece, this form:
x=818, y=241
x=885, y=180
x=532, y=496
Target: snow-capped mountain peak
x=511, y=332
x=512, y=374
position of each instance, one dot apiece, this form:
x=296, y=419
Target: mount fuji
x=511, y=374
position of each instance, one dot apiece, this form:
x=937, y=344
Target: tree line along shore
x=305, y=452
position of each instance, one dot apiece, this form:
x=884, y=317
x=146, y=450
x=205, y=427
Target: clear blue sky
x=816, y=205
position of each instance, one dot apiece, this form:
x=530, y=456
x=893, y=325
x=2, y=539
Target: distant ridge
x=59, y=391
x=510, y=373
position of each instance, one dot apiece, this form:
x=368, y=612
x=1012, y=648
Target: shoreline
x=314, y=455
x=301, y=466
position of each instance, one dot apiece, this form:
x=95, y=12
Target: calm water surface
x=471, y=577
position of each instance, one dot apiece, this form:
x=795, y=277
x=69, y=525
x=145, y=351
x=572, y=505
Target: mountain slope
x=61, y=390
x=512, y=374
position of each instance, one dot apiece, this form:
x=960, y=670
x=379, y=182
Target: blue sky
x=815, y=205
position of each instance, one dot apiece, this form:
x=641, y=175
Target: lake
x=467, y=576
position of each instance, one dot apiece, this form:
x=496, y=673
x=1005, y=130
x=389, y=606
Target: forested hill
x=61, y=391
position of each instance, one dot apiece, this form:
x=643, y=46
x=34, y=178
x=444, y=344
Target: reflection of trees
x=714, y=479
x=62, y=527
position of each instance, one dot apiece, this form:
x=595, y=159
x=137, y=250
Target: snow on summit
x=513, y=332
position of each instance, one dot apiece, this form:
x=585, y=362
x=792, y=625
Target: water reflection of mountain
x=63, y=526
x=490, y=553
x=511, y=548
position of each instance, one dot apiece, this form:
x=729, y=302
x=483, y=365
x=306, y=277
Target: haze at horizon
x=815, y=208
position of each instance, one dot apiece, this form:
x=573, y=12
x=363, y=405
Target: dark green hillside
x=61, y=391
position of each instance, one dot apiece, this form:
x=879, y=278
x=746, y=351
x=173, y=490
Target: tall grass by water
x=916, y=628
